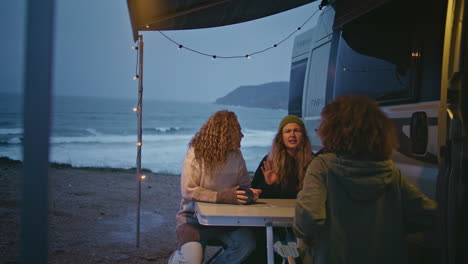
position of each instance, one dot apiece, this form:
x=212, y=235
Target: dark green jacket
x=359, y=211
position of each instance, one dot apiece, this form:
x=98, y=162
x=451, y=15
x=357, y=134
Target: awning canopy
x=149, y=15
x=153, y=15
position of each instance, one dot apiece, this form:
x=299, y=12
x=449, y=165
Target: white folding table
x=265, y=212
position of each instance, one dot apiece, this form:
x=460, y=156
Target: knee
x=189, y=253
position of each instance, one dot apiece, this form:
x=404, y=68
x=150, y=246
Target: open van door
x=453, y=111
x=414, y=64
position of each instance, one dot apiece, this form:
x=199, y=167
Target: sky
x=93, y=55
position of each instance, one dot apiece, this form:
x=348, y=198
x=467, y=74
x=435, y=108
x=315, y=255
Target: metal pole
x=36, y=124
x=140, y=143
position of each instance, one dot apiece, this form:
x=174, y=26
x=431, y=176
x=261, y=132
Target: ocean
x=102, y=132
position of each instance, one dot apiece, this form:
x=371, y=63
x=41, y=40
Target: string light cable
x=247, y=56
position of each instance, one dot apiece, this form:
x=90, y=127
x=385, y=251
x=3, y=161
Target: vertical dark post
x=139, y=143
x=37, y=97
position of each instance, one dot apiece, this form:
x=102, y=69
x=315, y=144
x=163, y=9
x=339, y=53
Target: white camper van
x=394, y=52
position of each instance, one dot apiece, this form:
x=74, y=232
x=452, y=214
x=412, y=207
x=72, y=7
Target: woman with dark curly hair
x=214, y=170
x=355, y=206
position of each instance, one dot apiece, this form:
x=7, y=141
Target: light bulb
x=135, y=77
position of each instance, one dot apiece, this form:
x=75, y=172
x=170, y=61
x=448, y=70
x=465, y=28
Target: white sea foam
x=257, y=138
x=93, y=131
x=11, y=131
x=108, y=139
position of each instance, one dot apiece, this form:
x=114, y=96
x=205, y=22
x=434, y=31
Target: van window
x=379, y=56
x=296, y=87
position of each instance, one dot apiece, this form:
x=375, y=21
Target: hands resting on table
x=237, y=195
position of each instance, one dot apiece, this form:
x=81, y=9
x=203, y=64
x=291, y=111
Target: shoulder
x=190, y=155
x=321, y=157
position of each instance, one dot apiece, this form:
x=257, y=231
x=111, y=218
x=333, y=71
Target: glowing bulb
x=147, y=26
x=135, y=109
x=344, y=69
x=415, y=54
x=143, y=177
x=139, y=144
x=135, y=77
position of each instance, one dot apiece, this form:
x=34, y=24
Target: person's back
x=369, y=209
x=355, y=206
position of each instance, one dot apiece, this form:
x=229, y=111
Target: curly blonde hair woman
x=214, y=171
x=216, y=139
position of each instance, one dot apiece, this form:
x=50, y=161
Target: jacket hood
x=362, y=180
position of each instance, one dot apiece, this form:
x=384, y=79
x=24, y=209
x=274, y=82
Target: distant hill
x=269, y=95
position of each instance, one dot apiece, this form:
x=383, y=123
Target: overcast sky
x=93, y=55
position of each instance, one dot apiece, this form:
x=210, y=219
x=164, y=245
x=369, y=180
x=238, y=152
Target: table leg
x=269, y=242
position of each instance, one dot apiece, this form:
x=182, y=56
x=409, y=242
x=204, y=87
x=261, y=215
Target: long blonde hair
x=283, y=163
x=214, y=141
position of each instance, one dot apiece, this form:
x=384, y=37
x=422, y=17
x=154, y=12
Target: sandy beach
x=92, y=215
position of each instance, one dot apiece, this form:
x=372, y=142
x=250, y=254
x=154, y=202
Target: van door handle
x=419, y=133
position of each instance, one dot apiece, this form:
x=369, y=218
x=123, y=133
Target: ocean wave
x=252, y=138
x=15, y=140
x=93, y=132
x=11, y=131
x=160, y=130
x=257, y=138
x=107, y=139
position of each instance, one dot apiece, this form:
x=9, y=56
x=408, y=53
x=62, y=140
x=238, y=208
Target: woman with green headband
x=280, y=173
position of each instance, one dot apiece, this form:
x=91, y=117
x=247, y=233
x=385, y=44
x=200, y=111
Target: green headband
x=290, y=119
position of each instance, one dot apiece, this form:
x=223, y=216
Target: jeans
x=237, y=244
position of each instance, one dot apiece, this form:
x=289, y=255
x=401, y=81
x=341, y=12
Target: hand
x=256, y=193
x=271, y=177
x=241, y=197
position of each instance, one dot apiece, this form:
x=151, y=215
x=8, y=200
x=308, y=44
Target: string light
x=135, y=109
x=142, y=177
x=213, y=57
x=139, y=144
x=135, y=77
x=134, y=47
